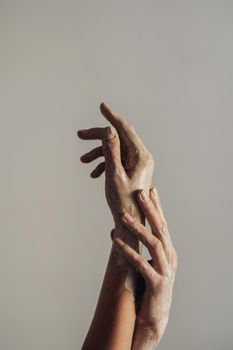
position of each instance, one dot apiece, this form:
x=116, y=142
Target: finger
x=154, y=196
x=153, y=244
x=140, y=264
x=90, y=134
x=112, y=234
x=92, y=155
x=112, y=151
x=115, y=119
x=98, y=170
x=157, y=224
x=126, y=131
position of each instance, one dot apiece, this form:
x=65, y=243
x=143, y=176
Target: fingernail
x=128, y=218
x=109, y=133
x=143, y=196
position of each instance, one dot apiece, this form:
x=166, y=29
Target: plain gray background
x=167, y=67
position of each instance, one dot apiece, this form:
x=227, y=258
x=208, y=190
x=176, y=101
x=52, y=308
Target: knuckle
x=133, y=253
x=134, y=223
x=157, y=244
x=109, y=134
x=116, y=173
x=138, y=258
x=109, y=145
x=163, y=227
x=152, y=281
x=163, y=282
x=151, y=274
x=131, y=128
x=144, y=265
x=144, y=268
x=152, y=241
x=150, y=159
x=123, y=123
x=175, y=258
x=147, y=159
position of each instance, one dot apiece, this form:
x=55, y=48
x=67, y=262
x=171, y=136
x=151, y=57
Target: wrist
x=123, y=232
x=145, y=340
x=146, y=335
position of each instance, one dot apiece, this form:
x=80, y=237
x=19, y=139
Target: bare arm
x=158, y=274
x=128, y=167
x=113, y=322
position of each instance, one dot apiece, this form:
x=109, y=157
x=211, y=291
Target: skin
x=158, y=273
x=128, y=167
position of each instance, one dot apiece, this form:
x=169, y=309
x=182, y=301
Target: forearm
x=113, y=322
x=144, y=338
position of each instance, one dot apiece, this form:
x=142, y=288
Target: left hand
x=128, y=164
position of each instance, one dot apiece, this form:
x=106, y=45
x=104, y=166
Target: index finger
x=125, y=130
x=115, y=119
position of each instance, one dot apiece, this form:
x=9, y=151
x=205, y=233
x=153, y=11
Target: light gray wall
x=167, y=67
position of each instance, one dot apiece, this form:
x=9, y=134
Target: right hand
x=158, y=274
x=128, y=164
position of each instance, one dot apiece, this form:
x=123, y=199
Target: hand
x=159, y=274
x=128, y=164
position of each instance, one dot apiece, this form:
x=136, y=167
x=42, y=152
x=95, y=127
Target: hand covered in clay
x=128, y=164
x=158, y=274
